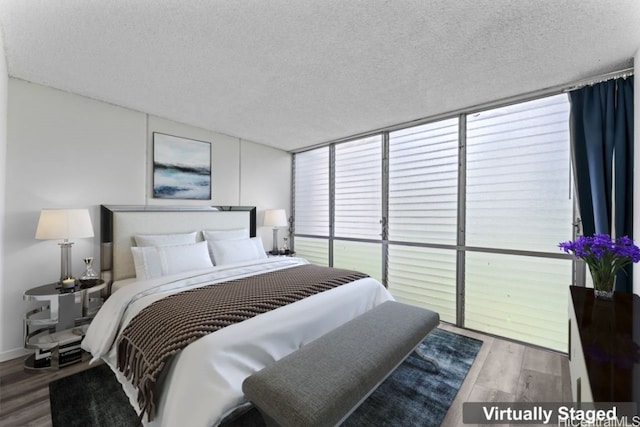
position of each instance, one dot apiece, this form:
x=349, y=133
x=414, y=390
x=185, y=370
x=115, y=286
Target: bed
x=201, y=384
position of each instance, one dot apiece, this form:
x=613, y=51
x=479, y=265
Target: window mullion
x=292, y=211
x=332, y=200
x=384, y=235
x=461, y=221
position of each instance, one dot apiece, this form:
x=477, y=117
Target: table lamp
x=275, y=218
x=55, y=224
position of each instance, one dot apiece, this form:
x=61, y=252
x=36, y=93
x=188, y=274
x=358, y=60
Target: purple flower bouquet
x=604, y=256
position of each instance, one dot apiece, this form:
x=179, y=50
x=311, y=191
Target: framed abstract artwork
x=181, y=168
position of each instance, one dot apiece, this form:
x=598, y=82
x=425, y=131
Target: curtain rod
x=627, y=72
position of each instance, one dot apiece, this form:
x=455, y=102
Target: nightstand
x=57, y=338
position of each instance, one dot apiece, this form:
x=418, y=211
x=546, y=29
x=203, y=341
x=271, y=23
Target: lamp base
x=66, y=278
x=275, y=251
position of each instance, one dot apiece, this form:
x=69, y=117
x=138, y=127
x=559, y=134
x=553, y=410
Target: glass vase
x=89, y=277
x=603, y=294
x=603, y=286
x=603, y=282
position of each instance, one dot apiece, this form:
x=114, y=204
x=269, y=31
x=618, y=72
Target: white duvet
x=203, y=383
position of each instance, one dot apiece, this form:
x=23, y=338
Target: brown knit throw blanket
x=170, y=324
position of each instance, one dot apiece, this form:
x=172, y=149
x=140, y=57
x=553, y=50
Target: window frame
x=578, y=276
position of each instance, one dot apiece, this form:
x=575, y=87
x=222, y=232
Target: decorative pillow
x=239, y=250
x=235, y=234
x=165, y=239
x=155, y=261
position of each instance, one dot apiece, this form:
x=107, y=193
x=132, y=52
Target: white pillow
x=147, y=262
x=235, y=234
x=239, y=250
x=216, y=235
x=155, y=261
x=257, y=241
x=178, y=258
x=165, y=239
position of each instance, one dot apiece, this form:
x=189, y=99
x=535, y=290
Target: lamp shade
x=275, y=218
x=64, y=224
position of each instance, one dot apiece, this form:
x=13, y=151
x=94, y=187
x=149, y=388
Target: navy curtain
x=602, y=143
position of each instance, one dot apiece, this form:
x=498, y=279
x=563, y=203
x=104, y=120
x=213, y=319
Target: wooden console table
x=604, y=347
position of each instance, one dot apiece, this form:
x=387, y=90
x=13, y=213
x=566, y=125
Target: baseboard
x=12, y=354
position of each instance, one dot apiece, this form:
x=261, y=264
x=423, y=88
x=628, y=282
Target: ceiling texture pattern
x=294, y=73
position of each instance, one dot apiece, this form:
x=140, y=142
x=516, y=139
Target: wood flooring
x=505, y=371
x=502, y=372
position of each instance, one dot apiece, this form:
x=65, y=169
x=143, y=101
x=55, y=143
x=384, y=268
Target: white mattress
x=203, y=382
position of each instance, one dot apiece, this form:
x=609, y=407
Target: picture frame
x=181, y=168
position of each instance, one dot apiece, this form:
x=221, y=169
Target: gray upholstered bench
x=326, y=380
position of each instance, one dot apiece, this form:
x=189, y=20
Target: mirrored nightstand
x=56, y=328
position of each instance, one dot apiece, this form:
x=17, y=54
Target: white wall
x=269, y=187
x=65, y=150
x=3, y=146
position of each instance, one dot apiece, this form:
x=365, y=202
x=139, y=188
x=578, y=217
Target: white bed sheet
x=203, y=382
x=121, y=284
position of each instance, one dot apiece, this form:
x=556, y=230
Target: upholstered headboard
x=120, y=223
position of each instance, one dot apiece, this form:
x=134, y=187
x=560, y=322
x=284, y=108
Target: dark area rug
x=414, y=395
x=90, y=398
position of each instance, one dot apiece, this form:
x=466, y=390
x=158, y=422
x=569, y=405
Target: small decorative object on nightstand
x=281, y=254
x=89, y=277
x=57, y=338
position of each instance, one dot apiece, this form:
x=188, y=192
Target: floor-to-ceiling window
x=460, y=215
x=519, y=206
x=311, y=194
x=423, y=216
x=357, y=242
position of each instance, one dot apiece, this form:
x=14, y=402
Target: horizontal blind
x=518, y=192
x=358, y=188
x=311, y=192
x=518, y=197
x=314, y=250
x=423, y=183
x=360, y=256
x=424, y=277
x=519, y=297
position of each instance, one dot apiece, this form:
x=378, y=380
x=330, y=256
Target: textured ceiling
x=293, y=73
